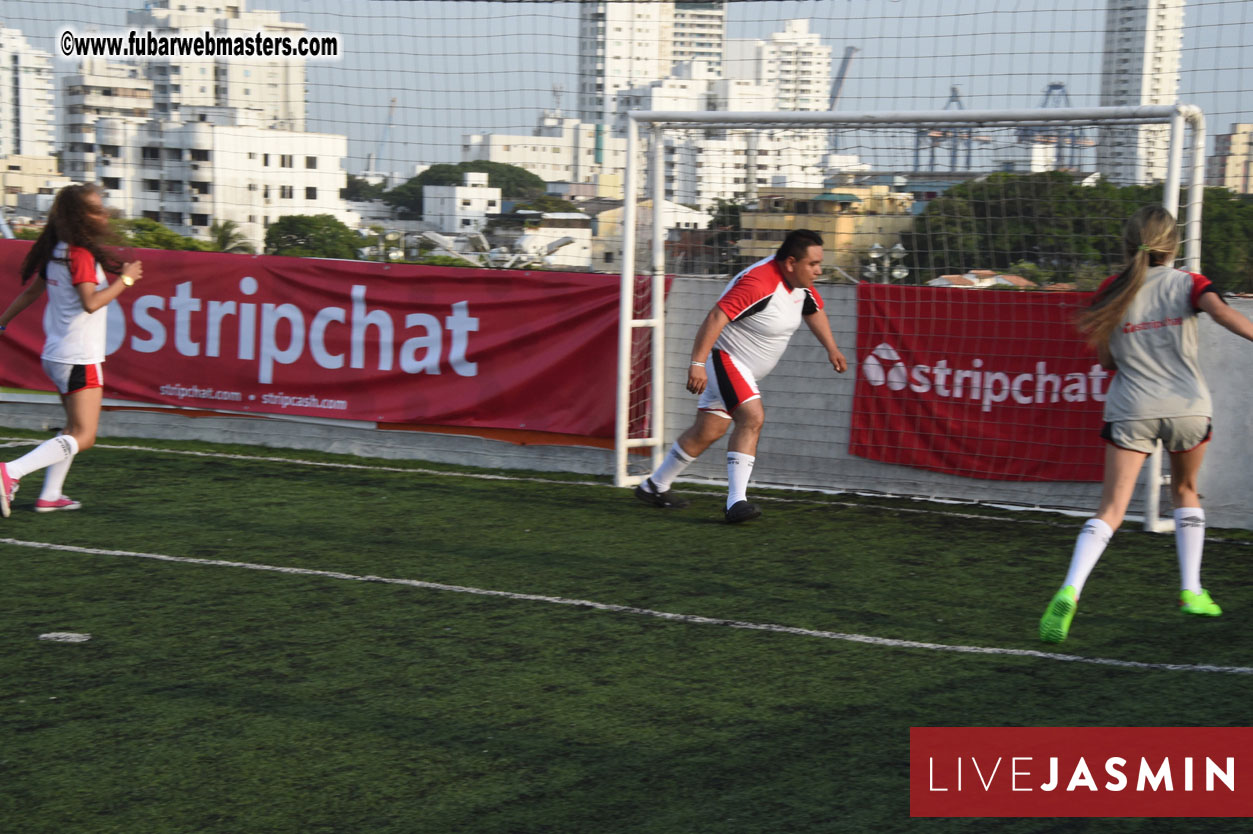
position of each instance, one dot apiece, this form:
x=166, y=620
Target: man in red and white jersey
x=740, y=341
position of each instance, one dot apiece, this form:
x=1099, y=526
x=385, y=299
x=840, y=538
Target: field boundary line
x=690, y=619
x=483, y=476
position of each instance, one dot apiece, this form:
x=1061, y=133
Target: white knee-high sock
x=739, y=470
x=54, y=479
x=1189, y=542
x=58, y=449
x=1088, y=549
x=671, y=467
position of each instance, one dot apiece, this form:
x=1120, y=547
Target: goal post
x=647, y=178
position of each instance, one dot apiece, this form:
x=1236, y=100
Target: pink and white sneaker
x=8, y=489
x=62, y=503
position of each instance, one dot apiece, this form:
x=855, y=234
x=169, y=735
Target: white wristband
x=698, y=364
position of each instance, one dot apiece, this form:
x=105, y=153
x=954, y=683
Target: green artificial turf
x=214, y=698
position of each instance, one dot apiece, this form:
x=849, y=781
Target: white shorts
x=1178, y=434
x=71, y=378
x=730, y=385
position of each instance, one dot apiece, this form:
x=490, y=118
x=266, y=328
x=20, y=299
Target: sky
x=468, y=67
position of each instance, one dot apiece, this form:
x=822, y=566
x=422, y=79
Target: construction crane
x=837, y=88
x=955, y=139
x=373, y=159
x=1068, y=139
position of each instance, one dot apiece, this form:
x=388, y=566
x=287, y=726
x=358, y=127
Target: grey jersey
x=1155, y=349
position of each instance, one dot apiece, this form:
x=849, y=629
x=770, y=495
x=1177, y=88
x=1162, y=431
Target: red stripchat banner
x=979, y=383
x=1081, y=771
x=480, y=348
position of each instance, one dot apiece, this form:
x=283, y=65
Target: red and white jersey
x=71, y=334
x=764, y=311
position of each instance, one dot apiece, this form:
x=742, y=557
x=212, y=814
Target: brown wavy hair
x=68, y=222
x=1150, y=238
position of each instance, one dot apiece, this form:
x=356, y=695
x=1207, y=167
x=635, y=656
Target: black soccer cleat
x=742, y=511
x=664, y=500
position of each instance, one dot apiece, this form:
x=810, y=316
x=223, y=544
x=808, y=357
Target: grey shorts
x=1178, y=434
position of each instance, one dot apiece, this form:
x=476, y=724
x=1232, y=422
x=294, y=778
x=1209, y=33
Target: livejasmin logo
x=1023, y=774
x=1080, y=772
x=988, y=386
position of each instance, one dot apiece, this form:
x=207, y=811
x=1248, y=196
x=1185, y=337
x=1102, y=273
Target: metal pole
x=1196, y=195
x=626, y=308
x=1153, y=480
x=658, y=314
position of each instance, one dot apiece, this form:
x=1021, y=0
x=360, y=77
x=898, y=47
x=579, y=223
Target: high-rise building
x=1231, y=166
x=273, y=86
x=1143, y=44
x=624, y=45
x=699, y=33
x=794, y=64
x=27, y=113
x=99, y=90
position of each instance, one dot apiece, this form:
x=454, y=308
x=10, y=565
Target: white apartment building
x=699, y=33
x=624, y=45
x=1143, y=45
x=273, y=86
x=794, y=64
x=98, y=90
x=1231, y=166
x=706, y=165
x=458, y=209
x=27, y=112
x=559, y=149
x=220, y=164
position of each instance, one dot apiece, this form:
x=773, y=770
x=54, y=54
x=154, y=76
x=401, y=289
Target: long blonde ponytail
x=1150, y=238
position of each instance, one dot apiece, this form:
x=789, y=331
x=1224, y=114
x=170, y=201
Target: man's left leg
x=741, y=455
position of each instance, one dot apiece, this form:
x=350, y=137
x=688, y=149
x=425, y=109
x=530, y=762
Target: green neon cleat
x=1055, y=624
x=1199, y=604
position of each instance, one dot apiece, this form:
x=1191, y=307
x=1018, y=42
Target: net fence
x=400, y=97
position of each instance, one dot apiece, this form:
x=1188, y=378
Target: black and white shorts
x=71, y=378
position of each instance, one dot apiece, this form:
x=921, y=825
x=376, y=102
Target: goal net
x=959, y=247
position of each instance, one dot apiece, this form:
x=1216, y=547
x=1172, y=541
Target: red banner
x=979, y=383
x=357, y=341
x=1080, y=772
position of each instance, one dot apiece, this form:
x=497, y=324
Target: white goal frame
x=1178, y=116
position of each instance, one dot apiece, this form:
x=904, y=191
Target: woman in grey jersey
x=1143, y=323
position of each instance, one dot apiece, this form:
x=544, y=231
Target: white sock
x=672, y=466
x=54, y=479
x=60, y=448
x=1189, y=541
x=739, y=470
x=1088, y=549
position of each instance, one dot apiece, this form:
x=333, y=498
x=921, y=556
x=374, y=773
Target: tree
x=1069, y=231
x=1227, y=240
x=546, y=203
x=143, y=233
x=723, y=245
x=514, y=183
x=225, y=236
x=311, y=236
x=361, y=190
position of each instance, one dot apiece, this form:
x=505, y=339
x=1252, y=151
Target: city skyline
x=444, y=63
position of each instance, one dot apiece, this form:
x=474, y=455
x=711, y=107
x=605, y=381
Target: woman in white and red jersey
x=1143, y=322
x=66, y=262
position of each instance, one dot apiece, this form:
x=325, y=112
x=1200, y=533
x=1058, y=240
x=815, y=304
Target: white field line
x=15, y=441
x=690, y=619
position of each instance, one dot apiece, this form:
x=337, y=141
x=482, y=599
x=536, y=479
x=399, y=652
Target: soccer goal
x=987, y=201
